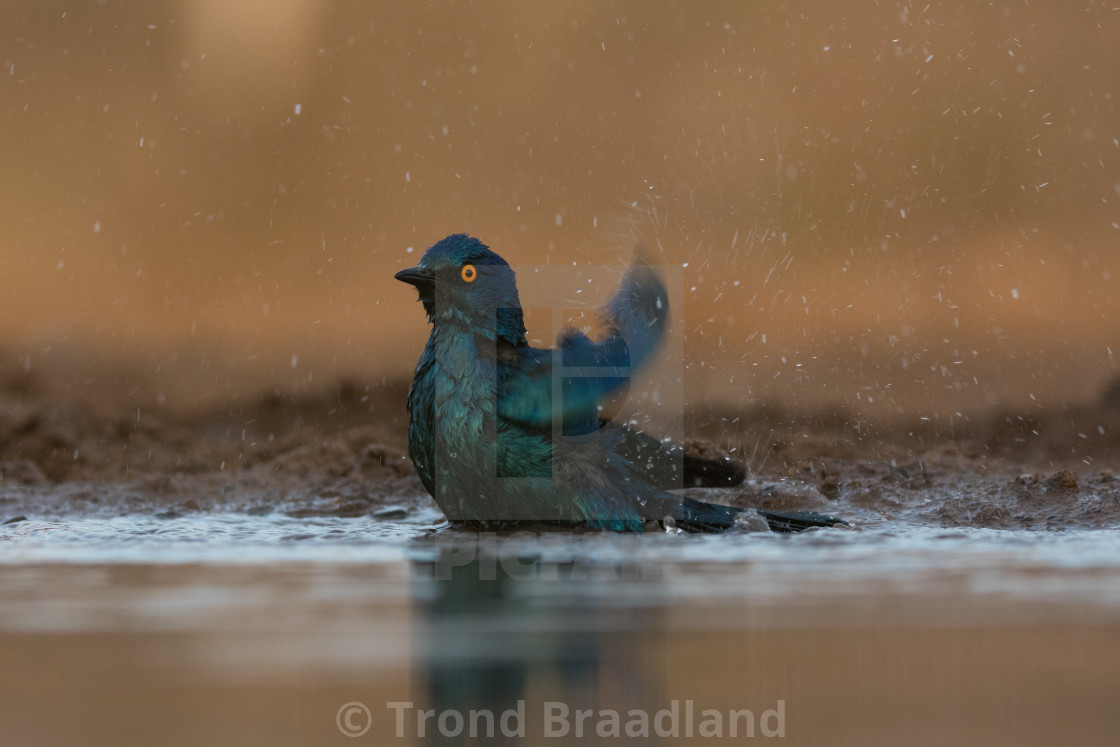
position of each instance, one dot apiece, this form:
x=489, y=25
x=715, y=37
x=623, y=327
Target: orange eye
x=469, y=273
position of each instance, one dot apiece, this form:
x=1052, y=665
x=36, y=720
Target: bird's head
x=461, y=281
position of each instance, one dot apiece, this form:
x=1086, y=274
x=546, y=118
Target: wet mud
x=339, y=450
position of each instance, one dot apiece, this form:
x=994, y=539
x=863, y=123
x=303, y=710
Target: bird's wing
x=668, y=465
x=587, y=371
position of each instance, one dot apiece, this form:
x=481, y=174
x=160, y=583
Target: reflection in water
x=516, y=638
x=257, y=629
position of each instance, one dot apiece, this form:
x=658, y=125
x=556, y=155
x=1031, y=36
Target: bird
x=504, y=435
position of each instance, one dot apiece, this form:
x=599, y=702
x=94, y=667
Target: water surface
x=186, y=621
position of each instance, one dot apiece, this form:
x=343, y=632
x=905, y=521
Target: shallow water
x=1052, y=572
x=861, y=633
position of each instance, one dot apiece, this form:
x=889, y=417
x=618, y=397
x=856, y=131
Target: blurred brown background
x=881, y=206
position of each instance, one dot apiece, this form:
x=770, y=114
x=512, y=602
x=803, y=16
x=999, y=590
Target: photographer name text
x=681, y=719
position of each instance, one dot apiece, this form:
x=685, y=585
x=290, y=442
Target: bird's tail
x=697, y=516
x=667, y=465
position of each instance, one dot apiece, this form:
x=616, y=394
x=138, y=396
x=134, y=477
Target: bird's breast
x=462, y=392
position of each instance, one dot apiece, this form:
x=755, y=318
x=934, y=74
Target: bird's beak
x=421, y=277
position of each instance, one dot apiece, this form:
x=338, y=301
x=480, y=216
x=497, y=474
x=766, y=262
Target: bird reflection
x=516, y=633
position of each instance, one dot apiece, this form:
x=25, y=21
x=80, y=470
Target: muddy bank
x=339, y=450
